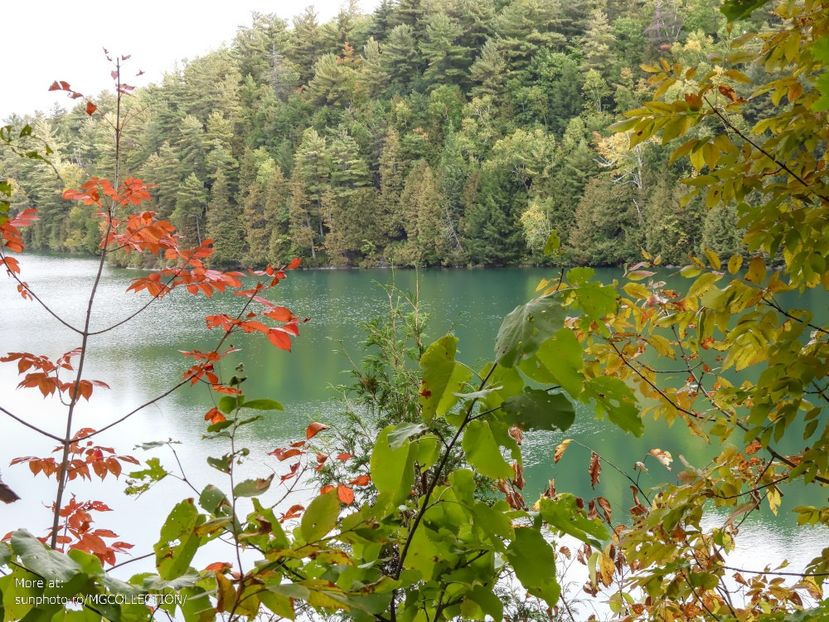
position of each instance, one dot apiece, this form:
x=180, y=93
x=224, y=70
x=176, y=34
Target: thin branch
x=30, y=426
x=777, y=572
x=775, y=305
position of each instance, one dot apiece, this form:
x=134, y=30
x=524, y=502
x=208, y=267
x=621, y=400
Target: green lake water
x=141, y=360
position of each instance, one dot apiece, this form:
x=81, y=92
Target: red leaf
x=54, y=86
x=284, y=454
x=294, y=263
x=345, y=494
x=217, y=567
x=342, y=457
x=90, y=108
x=293, y=512
x=313, y=429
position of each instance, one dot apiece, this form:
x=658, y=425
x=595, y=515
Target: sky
x=42, y=41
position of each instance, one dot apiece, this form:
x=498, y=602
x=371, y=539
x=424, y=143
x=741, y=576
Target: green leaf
x=526, y=328
x=596, y=300
x=822, y=86
x=483, y=452
x=580, y=275
x=178, y=541
x=404, y=431
x=505, y=381
x=488, y=602
x=534, y=563
x=220, y=464
x=262, y=405
x=738, y=9
x=538, y=410
x=43, y=561
x=553, y=244
x=426, y=451
x=392, y=468
x=253, y=487
x=563, y=513
x=213, y=499
x=558, y=360
x=320, y=517
x=616, y=399
x=442, y=377
x=228, y=403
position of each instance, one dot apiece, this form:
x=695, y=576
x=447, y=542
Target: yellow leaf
x=713, y=259
x=756, y=270
x=734, y=264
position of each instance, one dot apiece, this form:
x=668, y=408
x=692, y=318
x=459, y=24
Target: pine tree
x=391, y=185
x=426, y=227
x=672, y=232
x=306, y=43
x=488, y=72
x=401, y=59
x=371, y=78
x=164, y=170
x=188, y=215
x=446, y=60
x=224, y=226
x=333, y=82
x=277, y=198
x=597, y=42
x=192, y=148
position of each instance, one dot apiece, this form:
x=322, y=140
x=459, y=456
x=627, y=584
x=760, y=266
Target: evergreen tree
x=597, y=41
x=224, y=226
x=446, y=60
x=488, y=72
x=188, y=215
x=306, y=43
x=426, y=227
x=333, y=82
x=401, y=59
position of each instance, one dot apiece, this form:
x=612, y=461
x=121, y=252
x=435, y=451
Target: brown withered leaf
x=595, y=469
x=560, y=449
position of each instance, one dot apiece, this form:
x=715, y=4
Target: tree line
x=458, y=132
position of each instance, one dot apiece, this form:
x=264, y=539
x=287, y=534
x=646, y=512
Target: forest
x=442, y=133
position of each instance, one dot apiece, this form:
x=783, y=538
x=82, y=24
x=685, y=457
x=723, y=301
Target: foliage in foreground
x=432, y=540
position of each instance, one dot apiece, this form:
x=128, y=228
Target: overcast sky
x=42, y=41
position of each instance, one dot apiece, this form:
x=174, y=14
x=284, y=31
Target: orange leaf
x=90, y=108
x=361, y=480
x=342, y=457
x=293, y=512
x=345, y=494
x=294, y=263
x=313, y=429
x=326, y=489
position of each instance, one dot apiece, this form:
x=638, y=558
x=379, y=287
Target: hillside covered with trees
x=451, y=132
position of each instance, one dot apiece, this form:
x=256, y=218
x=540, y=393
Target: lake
x=141, y=360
